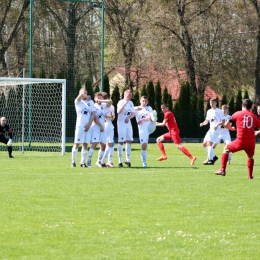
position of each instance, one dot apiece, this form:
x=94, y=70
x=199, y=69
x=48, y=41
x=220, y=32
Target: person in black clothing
x=4, y=128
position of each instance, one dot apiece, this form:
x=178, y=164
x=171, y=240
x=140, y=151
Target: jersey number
x=248, y=121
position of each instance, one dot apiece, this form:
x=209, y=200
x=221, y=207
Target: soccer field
x=170, y=210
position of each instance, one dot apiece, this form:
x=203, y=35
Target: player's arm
x=93, y=115
x=81, y=96
x=163, y=123
x=221, y=123
x=121, y=108
x=205, y=122
x=99, y=124
x=130, y=117
x=257, y=133
x=229, y=126
x=108, y=102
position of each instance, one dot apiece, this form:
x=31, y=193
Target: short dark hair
x=164, y=104
x=247, y=103
x=213, y=99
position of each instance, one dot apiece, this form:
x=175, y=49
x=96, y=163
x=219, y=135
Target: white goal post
x=35, y=110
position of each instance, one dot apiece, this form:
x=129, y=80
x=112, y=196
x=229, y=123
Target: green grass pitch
x=170, y=210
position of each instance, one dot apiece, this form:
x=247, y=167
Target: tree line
x=216, y=42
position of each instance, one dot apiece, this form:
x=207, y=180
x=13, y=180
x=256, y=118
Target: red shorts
x=175, y=137
x=237, y=145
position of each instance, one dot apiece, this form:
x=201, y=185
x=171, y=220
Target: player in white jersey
x=224, y=133
x=85, y=116
x=146, y=119
x=125, y=111
x=109, y=129
x=97, y=128
x=215, y=117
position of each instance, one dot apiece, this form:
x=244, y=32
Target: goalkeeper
x=4, y=128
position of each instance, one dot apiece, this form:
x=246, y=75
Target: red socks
x=161, y=147
x=224, y=160
x=185, y=151
x=250, y=166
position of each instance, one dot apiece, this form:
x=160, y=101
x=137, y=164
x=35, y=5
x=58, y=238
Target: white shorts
x=81, y=136
x=211, y=136
x=110, y=136
x=125, y=132
x=225, y=137
x=98, y=137
x=144, y=137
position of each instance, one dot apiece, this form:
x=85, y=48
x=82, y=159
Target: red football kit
x=246, y=122
x=173, y=128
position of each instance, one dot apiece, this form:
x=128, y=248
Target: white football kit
x=125, y=130
x=224, y=133
x=147, y=127
x=214, y=116
x=96, y=135
x=84, y=108
x=109, y=127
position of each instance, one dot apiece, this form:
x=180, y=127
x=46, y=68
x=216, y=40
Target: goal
x=35, y=110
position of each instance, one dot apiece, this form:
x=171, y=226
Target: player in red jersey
x=173, y=134
x=246, y=122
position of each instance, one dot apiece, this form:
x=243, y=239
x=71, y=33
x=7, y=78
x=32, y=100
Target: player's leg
x=151, y=127
x=110, y=148
x=160, y=144
x=144, y=136
x=84, y=152
x=121, y=139
x=250, y=150
x=227, y=139
x=231, y=147
x=177, y=140
x=129, y=139
x=78, y=139
x=102, y=148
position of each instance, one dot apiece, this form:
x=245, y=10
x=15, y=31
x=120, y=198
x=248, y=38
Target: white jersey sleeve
x=127, y=111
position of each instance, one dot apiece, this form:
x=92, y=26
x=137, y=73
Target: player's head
x=247, y=104
x=128, y=94
x=3, y=121
x=258, y=109
x=98, y=97
x=213, y=102
x=105, y=95
x=164, y=107
x=224, y=108
x=144, y=101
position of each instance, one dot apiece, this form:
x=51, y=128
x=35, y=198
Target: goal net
x=35, y=110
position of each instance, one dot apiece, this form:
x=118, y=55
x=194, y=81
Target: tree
x=106, y=85
x=158, y=97
x=143, y=91
x=238, y=104
x=194, y=127
x=68, y=18
x=246, y=95
x=124, y=21
x=183, y=14
x=9, y=28
x=224, y=100
x=185, y=110
x=231, y=106
x=88, y=85
x=151, y=93
x=136, y=98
